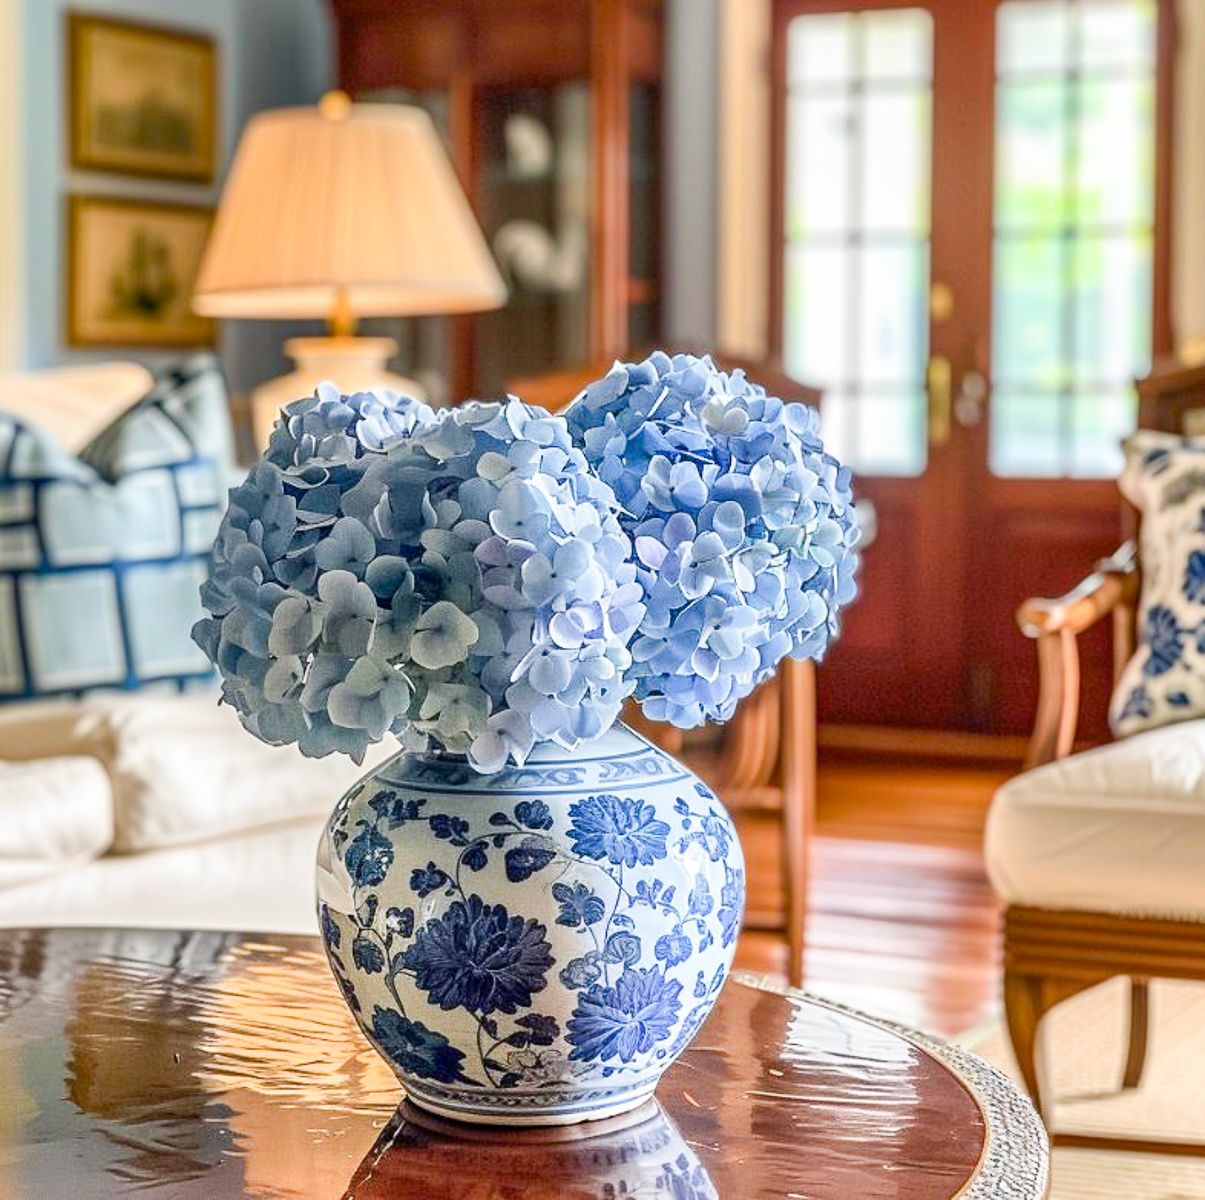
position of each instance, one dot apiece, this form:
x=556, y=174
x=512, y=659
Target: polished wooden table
x=203, y=1065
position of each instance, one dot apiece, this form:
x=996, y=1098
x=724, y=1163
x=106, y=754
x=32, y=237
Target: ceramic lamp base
x=354, y=364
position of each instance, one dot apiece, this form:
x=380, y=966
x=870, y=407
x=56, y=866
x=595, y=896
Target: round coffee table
x=210, y=1065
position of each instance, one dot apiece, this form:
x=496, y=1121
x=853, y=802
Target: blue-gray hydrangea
x=743, y=527
x=459, y=578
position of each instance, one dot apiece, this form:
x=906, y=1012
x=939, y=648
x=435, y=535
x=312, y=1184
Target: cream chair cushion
x=1118, y=829
x=56, y=814
x=182, y=769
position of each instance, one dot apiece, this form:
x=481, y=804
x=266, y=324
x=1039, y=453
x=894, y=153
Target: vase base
x=618, y=1112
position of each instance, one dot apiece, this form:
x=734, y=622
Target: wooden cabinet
x=551, y=110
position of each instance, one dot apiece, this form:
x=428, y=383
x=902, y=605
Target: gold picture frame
x=131, y=270
x=143, y=99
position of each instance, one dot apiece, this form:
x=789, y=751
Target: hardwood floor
x=902, y=921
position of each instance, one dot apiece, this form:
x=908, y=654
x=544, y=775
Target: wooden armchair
x=1110, y=591
x=1052, y=951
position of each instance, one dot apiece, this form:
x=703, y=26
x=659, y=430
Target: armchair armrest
x=1112, y=588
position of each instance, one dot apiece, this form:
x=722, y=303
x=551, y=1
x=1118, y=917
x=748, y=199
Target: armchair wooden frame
x=1051, y=955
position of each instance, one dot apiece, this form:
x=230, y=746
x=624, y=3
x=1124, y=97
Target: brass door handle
x=939, y=381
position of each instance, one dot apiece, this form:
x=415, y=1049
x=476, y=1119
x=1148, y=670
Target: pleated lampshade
x=348, y=208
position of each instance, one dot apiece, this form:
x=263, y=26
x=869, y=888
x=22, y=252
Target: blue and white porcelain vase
x=537, y=946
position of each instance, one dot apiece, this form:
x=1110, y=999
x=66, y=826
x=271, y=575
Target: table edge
x=1009, y=1117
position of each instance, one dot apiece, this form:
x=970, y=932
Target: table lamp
x=342, y=211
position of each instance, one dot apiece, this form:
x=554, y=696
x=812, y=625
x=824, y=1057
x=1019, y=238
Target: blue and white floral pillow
x=1164, y=478
x=102, y=555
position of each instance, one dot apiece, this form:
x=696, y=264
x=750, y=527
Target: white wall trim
x=12, y=188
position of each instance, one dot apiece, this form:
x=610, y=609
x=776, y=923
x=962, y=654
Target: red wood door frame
x=931, y=642
x=904, y=640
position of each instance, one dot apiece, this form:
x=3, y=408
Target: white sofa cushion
x=1117, y=829
x=182, y=769
x=261, y=881
x=55, y=815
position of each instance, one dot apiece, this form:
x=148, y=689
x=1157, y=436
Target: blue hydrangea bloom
x=743, y=528
x=457, y=578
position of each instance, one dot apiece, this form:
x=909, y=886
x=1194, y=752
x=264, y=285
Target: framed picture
x=131, y=269
x=142, y=99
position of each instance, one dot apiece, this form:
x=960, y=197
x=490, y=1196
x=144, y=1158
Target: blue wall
x=270, y=53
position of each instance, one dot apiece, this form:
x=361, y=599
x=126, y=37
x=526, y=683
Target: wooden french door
x=971, y=260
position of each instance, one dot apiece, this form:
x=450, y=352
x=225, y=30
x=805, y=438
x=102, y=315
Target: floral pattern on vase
x=535, y=946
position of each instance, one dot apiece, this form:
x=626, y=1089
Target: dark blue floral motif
x=581, y=972
x=348, y=989
x=367, y=955
x=1164, y=638
x=579, y=905
x=428, y=879
x=368, y=857
x=700, y=900
x=537, y=1030
x=622, y=947
x=1138, y=704
x=524, y=861
x=653, y=895
x=477, y=956
x=732, y=901
x=1194, y=577
x=399, y=921
x=673, y=948
x=1179, y=699
x=475, y=857
x=414, y=1048
x=624, y=830
x=330, y=930
x=366, y=911
x=533, y=814
x=627, y=1019
x=451, y=828
x=387, y=804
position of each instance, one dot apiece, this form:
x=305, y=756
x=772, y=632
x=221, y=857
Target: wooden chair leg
x=1140, y=1001
x=1024, y=1008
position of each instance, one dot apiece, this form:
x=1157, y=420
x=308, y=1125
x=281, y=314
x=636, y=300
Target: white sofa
x=158, y=811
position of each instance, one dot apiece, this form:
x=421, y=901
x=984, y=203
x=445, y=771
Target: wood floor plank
x=902, y=920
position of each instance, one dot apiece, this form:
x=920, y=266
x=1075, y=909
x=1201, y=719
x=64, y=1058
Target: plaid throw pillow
x=101, y=555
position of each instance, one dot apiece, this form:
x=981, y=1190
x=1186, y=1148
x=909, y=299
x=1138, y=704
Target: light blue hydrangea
x=742, y=524
x=456, y=578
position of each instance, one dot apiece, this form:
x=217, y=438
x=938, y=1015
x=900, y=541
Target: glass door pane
x=859, y=118
x=1073, y=232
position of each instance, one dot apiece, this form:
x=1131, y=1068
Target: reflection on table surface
x=222, y=1065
